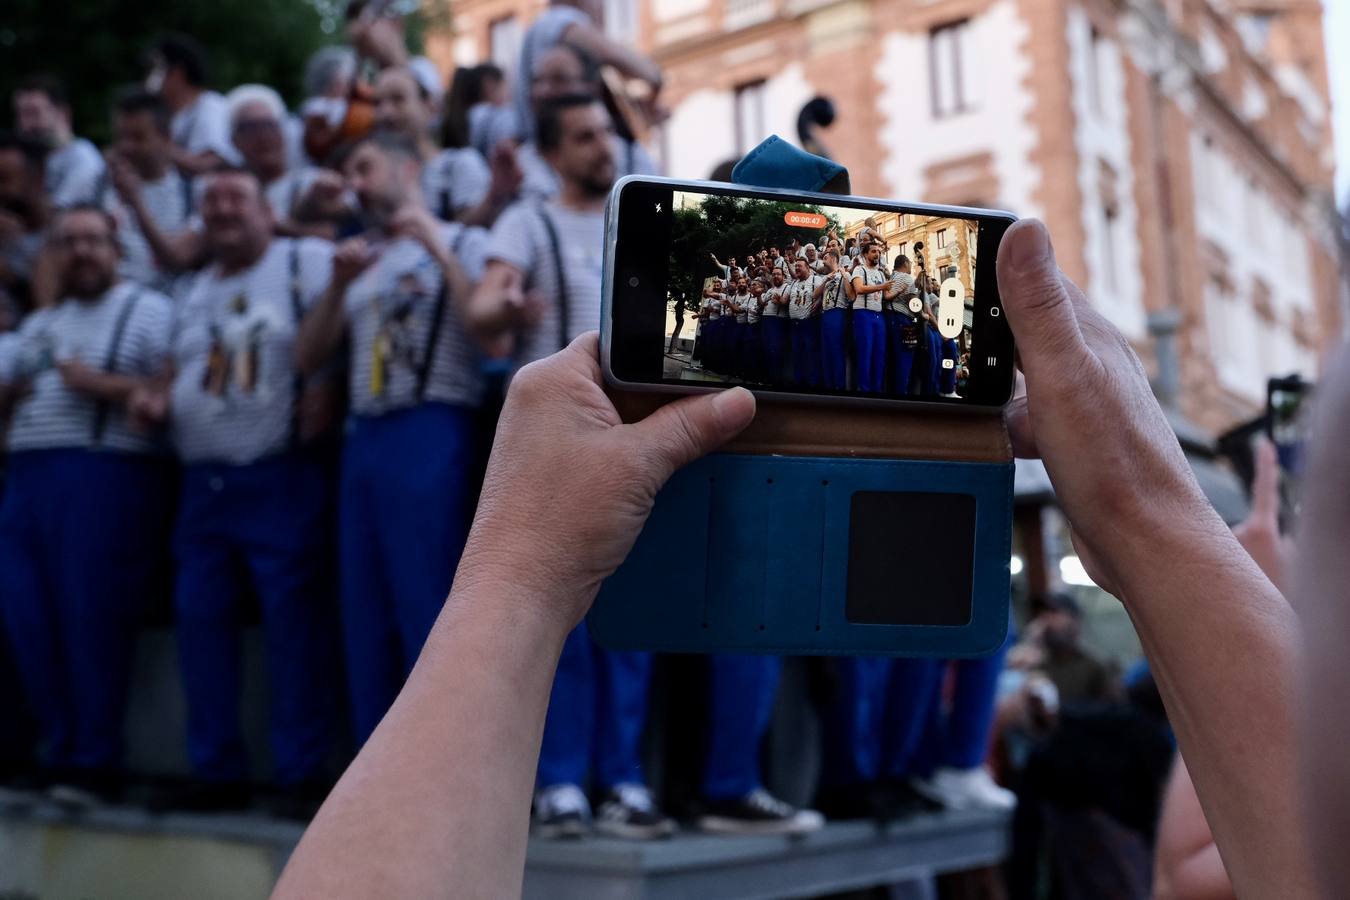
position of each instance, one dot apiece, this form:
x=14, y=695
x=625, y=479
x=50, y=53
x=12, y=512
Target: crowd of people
x=262, y=351
x=831, y=316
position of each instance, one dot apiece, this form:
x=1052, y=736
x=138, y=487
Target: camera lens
x=633, y=282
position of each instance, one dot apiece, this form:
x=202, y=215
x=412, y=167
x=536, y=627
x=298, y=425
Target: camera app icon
x=948, y=364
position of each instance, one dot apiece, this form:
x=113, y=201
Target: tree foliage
x=97, y=46
x=726, y=227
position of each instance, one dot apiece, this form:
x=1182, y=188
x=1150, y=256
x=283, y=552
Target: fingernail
x=1031, y=247
x=731, y=407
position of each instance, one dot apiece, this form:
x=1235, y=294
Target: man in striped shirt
x=255, y=501
x=84, y=518
x=409, y=464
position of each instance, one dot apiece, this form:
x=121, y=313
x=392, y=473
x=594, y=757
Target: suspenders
x=559, y=272
x=437, y=316
x=102, y=408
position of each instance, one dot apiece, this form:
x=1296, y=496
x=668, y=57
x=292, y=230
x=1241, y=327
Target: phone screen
x=806, y=294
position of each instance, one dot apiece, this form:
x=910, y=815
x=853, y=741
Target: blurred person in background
x=337, y=108
x=255, y=501
x=478, y=111
x=566, y=70
x=258, y=122
x=73, y=165
x=84, y=514
x=151, y=201
x=24, y=215
x=179, y=74
x=393, y=307
x=457, y=183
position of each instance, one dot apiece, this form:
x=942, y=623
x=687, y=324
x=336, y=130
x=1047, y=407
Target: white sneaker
x=562, y=811
x=966, y=789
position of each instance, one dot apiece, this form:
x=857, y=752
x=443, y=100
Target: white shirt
x=869, y=276
x=455, y=180
x=771, y=307
x=233, y=398
x=205, y=125
x=834, y=296
x=713, y=305
x=169, y=201
x=900, y=302
x=73, y=173
x=801, y=297
x=521, y=240
x=52, y=416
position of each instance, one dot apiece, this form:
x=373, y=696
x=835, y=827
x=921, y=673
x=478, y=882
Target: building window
x=504, y=42
x=903, y=250
x=749, y=113
x=941, y=238
x=948, y=50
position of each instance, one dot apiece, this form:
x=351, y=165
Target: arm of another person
x=588, y=37
x=1220, y=639
x=325, y=325
x=437, y=802
x=1188, y=865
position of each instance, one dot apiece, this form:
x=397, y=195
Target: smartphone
x=1287, y=426
x=708, y=286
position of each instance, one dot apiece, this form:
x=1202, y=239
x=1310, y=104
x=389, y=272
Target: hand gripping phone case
x=822, y=529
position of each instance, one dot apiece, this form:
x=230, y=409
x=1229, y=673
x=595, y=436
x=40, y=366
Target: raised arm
x=499, y=307
x=437, y=802
x=325, y=325
x=609, y=52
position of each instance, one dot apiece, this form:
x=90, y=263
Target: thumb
x=1035, y=296
x=681, y=432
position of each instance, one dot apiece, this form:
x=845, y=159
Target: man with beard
x=740, y=303
x=541, y=291
x=833, y=320
x=83, y=518
x=774, y=326
x=255, y=500
x=408, y=479
x=869, y=329
x=73, y=165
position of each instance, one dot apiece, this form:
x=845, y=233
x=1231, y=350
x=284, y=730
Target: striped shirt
x=834, y=296
x=801, y=297
x=234, y=346
x=392, y=309
x=521, y=240
x=870, y=277
x=205, y=125
x=53, y=416
x=169, y=202
x=73, y=173
x=455, y=180
x=904, y=282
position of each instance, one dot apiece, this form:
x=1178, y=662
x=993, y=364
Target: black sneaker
x=204, y=797
x=759, y=812
x=629, y=812
x=904, y=800
x=855, y=802
x=562, y=811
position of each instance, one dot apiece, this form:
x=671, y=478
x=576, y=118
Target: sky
x=1337, y=30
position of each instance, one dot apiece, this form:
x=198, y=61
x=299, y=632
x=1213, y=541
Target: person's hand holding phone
x=1259, y=534
x=571, y=482
x=1090, y=414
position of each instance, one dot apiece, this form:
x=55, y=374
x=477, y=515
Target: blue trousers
x=833, y=354
x=713, y=340
x=806, y=352
x=743, y=691
x=405, y=507
x=957, y=735
x=81, y=534
x=901, y=358
x=774, y=342
x=267, y=525
x=751, y=354
x=596, y=712
x=869, y=350
x=874, y=727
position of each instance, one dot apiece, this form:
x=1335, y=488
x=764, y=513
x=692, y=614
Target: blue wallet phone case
x=807, y=535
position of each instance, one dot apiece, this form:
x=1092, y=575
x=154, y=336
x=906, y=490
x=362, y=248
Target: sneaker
x=629, y=812
x=759, y=812
x=561, y=811
x=966, y=789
